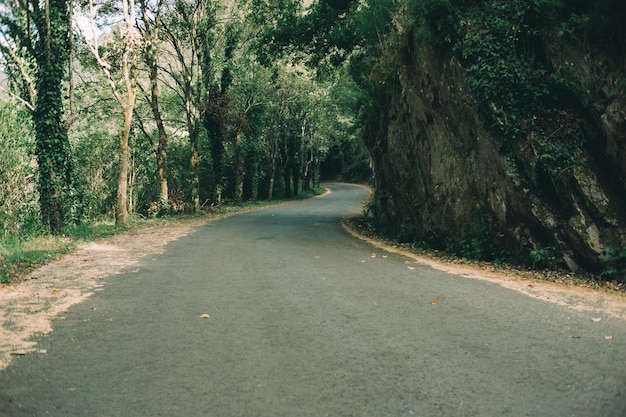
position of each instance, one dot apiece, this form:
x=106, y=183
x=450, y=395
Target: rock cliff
x=535, y=173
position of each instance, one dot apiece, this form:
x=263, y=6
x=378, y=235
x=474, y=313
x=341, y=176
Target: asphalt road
x=307, y=321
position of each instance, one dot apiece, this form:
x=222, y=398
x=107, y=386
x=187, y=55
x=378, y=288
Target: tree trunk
x=254, y=189
x=295, y=172
x=193, y=128
x=52, y=143
x=306, y=180
x=270, y=193
x=129, y=76
x=161, y=160
x=287, y=183
x=195, y=173
x=161, y=148
x=214, y=128
x=121, y=205
x=160, y=151
x=239, y=169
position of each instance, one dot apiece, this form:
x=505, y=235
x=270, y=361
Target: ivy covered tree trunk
x=52, y=143
x=161, y=160
x=218, y=102
x=251, y=149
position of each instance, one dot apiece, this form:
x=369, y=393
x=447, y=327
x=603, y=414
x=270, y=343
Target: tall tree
x=35, y=35
x=151, y=18
x=124, y=90
x=188, y=28
x=216, y=103
x=52, y=142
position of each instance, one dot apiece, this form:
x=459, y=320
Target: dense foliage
x=18, y=194
x=35, y=59
x=216, y=116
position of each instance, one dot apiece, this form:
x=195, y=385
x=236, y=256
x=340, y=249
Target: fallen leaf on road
x=55, y=292
x=433, y=302
x=204, y=316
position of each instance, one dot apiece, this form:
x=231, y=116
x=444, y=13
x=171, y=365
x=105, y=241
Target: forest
x=491, y=129
x=125, y=108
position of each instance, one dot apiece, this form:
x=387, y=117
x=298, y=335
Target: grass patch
x=19, y=256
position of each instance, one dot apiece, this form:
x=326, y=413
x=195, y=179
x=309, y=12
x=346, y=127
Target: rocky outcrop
x=444, y=179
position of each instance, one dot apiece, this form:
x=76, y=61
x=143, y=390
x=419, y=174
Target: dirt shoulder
x=28, y=307
x=565, y=289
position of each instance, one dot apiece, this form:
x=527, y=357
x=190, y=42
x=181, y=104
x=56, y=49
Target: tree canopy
x=151, y=107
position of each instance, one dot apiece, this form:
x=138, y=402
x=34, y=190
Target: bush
x=18, y=173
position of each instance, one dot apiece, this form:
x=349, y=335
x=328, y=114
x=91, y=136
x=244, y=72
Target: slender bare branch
x=28, y=105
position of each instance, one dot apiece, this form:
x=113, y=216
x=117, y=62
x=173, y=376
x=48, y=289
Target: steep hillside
x=499, y=131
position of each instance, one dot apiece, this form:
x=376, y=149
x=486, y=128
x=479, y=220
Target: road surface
x=304, y=320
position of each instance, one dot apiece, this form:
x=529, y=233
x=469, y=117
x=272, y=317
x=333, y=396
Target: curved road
x=307, y=321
